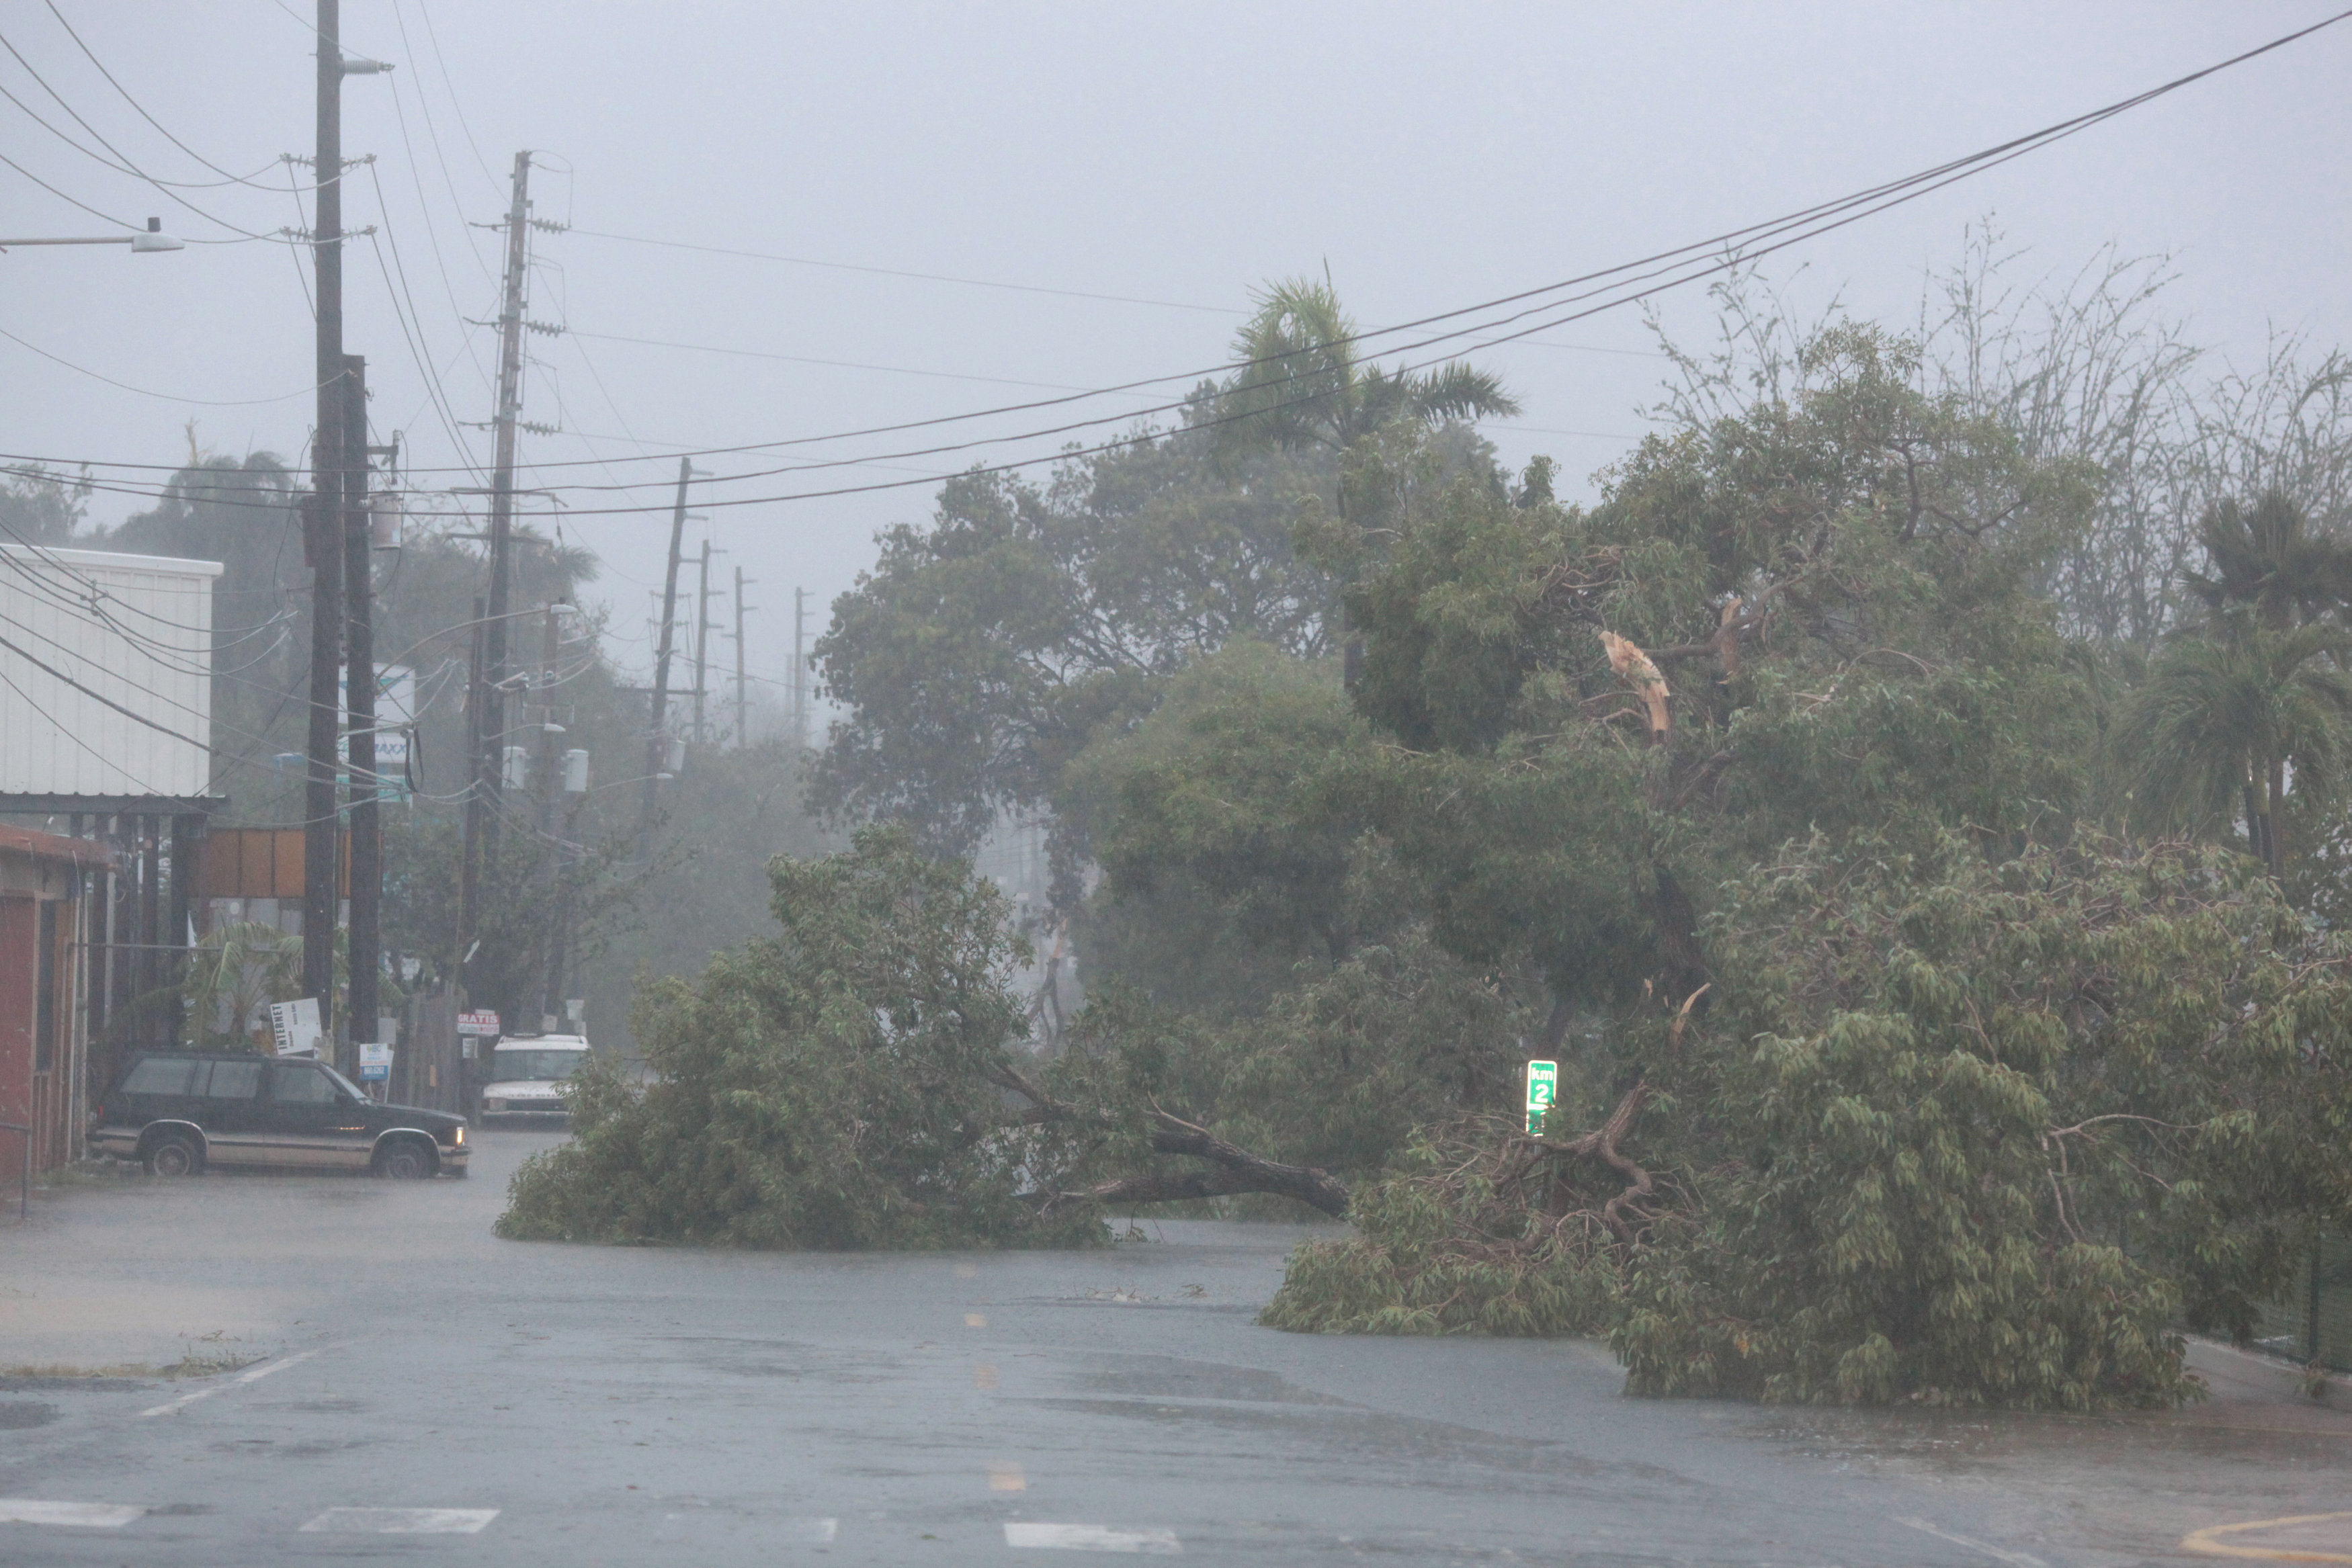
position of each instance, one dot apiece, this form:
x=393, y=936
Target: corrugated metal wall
x=91, y=644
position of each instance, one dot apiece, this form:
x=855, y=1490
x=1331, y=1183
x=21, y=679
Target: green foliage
x=1340, y=1069
x=1225, y=846
x=238, y=968
x=38, y=508
x=1473, y=1232
x=830, y=1087
x=1982, y=1129
x=980, y=656
x=1302, y=382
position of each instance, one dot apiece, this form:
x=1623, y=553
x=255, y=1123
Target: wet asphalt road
x=536, y=1404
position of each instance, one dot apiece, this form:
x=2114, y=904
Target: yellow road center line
x=2209, y=1540
x=1006, y=1478
x=975, y=1320
x=984, y=1376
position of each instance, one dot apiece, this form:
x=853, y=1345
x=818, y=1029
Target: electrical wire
x=433, y=389
x=835, y=364
x=134, y=103
x=144, y=392
x=1666, y=269
x=441, y=62
x=102, y=159
x=899, y=272
x=169, y=194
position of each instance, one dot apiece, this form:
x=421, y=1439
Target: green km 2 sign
x=1543, y=1081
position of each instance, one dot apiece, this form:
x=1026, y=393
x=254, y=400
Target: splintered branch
x=1235, y=1169
x=1635, y=667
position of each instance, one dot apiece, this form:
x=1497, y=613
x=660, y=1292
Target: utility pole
x=552, y=900
x=494, y=637
x=470, y=873
x=358, y=619
x=701, y=642
x=800, y=671
x=488, y=704
x=656, y=746
x=323, y=532
x=551, y=647
x=742, y=705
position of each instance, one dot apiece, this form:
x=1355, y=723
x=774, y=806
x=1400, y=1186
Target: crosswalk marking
x=402, y=1521
x=87, y=1515
x=1091, y=1538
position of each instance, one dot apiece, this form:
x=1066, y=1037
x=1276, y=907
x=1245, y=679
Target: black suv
x=178, y=1111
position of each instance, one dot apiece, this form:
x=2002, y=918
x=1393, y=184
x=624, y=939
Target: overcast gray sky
x=1429, y=155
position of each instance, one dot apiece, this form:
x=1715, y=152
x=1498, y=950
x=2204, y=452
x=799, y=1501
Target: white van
x=528, y=1075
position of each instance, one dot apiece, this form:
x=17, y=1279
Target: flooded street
x=395, y=1381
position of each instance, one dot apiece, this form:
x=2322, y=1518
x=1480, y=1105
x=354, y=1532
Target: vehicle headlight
x=494, y=1105
x=458, y=1137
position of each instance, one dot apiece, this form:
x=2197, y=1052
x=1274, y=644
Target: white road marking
x=1006, y=1478
x=1092, y=1538
x=90, y=1515
x=251, y=1375
x=821, y=1532
x=402, y=1521
x=1997, y=1553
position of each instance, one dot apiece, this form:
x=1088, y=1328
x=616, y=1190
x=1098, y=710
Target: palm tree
x=2266, y=557
x=2226, y=717
x=1301, y=382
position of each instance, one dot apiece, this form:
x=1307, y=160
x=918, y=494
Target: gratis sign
x=1543, y=1082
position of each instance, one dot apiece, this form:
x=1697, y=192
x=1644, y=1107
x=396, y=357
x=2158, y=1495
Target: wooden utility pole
x=701, y=642
x=469, y=862
x=358, y=618
x=742, y=704
x=323, y=532
x=656, y=742
x=492, y=763
x=800, y=671
x=550, y=646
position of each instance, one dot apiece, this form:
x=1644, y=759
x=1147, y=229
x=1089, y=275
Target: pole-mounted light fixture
x=142, y=242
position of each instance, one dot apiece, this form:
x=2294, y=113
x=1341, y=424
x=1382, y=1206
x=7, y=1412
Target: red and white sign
x=484, y=1024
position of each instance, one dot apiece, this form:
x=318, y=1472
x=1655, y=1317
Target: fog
x=1427, y=156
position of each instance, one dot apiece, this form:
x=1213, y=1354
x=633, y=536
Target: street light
x=142, y=242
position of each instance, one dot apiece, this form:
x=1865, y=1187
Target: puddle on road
x=1979, y=1442
x=789, y=1359
x=1172, y=1378
x=316, y=1406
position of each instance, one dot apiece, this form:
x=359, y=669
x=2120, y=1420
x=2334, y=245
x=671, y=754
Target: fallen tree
x=852, y=1083
x=1958, y=1130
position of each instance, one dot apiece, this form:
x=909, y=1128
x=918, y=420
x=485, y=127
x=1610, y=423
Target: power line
x=104, y=160
x=1666, y=269
x=441, y=63
x=900, y=272
x=162, y=186
x=835, y=364
x=144, y=392
x=134, y=103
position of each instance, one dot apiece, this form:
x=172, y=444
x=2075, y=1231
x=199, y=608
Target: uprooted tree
x=855, y=1081
x=1959, y=1130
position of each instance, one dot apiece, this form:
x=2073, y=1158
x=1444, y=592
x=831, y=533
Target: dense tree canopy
x=1943, y=986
